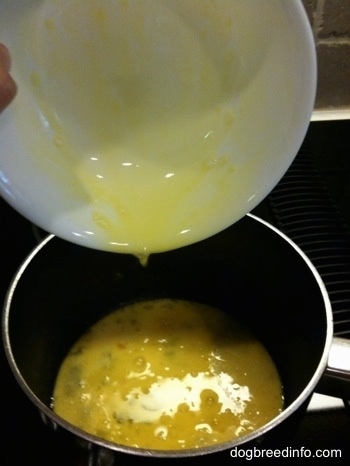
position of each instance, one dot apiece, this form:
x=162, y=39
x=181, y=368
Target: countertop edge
x=331, y=114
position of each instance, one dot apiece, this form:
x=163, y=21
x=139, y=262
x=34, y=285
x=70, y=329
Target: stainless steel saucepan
x=250, y=270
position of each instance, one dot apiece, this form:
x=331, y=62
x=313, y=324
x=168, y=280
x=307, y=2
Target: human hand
x=8, y=87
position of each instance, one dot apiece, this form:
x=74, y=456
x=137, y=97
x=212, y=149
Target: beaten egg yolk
x=168, y=374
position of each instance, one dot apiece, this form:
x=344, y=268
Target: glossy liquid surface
x=168, y=374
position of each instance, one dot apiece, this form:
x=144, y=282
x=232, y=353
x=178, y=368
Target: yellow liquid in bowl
x=133, y=122
x=144, y=126
x=168, y=375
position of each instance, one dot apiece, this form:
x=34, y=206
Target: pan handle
x=336, y=379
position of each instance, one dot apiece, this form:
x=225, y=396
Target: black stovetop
x=326, y=425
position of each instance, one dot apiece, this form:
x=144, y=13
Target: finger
x=8, y=87
x=5, y=58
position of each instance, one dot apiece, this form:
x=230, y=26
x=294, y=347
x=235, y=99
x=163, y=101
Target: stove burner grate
x=305, y=211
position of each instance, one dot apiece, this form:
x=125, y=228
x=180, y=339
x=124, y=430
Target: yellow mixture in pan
x=168, y=374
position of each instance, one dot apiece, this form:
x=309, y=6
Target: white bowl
x=143, y=126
